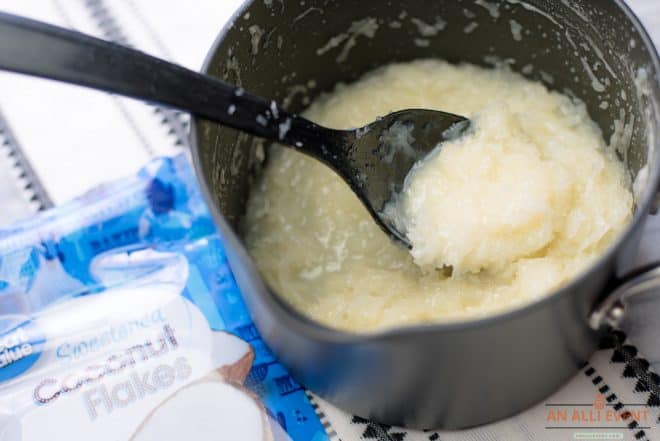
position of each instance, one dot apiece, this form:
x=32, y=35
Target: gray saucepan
x=442, y=375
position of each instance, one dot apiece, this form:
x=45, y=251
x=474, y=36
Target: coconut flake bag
x=120, y=320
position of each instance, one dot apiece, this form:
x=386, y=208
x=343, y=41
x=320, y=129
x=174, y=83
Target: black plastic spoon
x=374, y=160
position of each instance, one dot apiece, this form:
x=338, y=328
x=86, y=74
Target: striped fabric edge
x=332, y=434
x=634, y=366
x=613, y=400
x=33, y=191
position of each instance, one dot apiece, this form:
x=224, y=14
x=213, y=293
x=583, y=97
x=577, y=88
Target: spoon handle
x=39, y=49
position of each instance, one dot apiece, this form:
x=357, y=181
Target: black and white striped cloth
x=56, y=141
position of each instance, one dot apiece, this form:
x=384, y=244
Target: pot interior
x=292, y=51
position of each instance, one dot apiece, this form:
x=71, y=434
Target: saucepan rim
x=306, y=326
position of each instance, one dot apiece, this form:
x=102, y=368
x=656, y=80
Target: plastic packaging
x=120, y=320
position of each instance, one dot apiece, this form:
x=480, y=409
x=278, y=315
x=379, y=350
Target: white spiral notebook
x=57, y=141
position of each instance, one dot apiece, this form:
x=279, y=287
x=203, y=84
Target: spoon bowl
x=375, y=159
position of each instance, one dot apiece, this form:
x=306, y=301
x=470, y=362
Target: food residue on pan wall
x=305, y=13
x=516, y=30
x=427, y=29
x=534, y=9
x=366, y=27
x=256, y=33
x=469, y=14
x=593, y=62
x=492, y=8
x=546, y=77
x=470, y=27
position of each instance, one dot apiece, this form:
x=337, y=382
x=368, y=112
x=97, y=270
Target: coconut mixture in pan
x=499, y=217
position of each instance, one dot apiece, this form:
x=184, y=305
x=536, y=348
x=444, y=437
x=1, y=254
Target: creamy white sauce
x=517, y=207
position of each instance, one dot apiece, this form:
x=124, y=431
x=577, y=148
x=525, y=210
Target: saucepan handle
x=610, y=311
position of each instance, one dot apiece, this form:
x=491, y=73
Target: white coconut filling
x=506, y=192
x=516, y=208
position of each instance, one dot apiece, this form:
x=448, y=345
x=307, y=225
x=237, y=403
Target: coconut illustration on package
x=214, y=407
